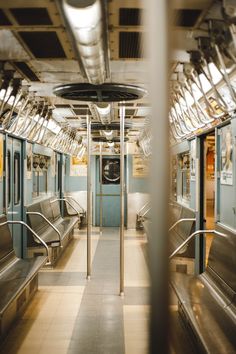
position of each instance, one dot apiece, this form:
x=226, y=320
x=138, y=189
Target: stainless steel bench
x=18, y=277
x=207, y=302
x=45, y=218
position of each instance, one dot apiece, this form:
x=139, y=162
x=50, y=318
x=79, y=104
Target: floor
x=72, y=315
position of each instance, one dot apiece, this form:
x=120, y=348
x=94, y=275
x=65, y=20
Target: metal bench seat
x=65, y=225
x=45, y=218
x=18, y=277
x=207, y=301
x=15, y=278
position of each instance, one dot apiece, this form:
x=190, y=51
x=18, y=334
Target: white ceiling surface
x=69, y=66
x=60, y=77
x=129, y=71
x=10, y=48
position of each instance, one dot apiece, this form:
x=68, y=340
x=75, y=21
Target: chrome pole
x=158, y=44
x=89, y=206
x=122, y=119
x=100, y=167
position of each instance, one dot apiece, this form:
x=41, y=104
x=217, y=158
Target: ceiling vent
x=43, y=44
x=130, y=17
x=4, y=20
x=112, y=126
x=32, y=16
x=130, y=45
x=104, y=140
x=186, y=17
x=107, y=92
x=82, y=112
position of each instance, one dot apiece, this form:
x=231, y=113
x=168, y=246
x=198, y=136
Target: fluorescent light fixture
x=110, y=143
x=108, y=133
x=104, y=111
x=85, y=19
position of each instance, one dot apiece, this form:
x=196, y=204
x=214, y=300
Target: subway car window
x=118, y=176
x=41, y=164
x=184, y=172
x=17, y=177
x=9, y=181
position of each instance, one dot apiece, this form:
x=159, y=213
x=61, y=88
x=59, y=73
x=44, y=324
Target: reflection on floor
x=72, y=315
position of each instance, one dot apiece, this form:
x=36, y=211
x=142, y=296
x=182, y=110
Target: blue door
x=110, y=191
x=14, y=188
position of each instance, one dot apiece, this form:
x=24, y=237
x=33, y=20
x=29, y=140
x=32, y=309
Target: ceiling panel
x=56, y=65
x=10, y=48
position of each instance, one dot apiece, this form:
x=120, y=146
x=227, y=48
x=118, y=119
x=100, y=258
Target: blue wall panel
x=135, y=184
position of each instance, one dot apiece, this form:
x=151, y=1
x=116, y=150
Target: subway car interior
x=118, y=176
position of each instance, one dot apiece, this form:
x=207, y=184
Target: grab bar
x=32, y=231
x=48, y=221
x=192, y=236
x=67, y=201
x=181, y=220
x=69, y=196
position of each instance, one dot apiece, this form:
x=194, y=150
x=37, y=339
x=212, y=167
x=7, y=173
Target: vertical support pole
x=89, y=199
x=158, y=42
x=122, y=125
x=100, y=204
x=199, y=240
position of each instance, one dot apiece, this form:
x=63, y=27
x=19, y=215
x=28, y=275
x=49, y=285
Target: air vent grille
x=31, y=16
x=43, y=44
x=62, y=105
x=80, y=105
x=130, y=17
x=130, y=45
x=81, y=112
x=101, y=139
x=186, y=17
x=112, y=126
x=26, y=70
x=4, y=20
x=108, y=92
x=130, y=112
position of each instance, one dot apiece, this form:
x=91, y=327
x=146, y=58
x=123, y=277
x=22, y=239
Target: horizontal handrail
x=181, y=220
x=192, y=236
x=76, y=202
x=48, y=221
x=67, y=201
x=32, y=231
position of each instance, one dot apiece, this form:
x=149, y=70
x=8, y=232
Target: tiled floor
x=72, y=315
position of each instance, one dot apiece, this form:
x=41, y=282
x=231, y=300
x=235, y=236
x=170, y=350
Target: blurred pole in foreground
x=158, y=52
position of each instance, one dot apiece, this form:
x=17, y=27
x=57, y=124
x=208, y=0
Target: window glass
x=184, y=168
x=8, y=178
x=17, y=179
x=41, y=164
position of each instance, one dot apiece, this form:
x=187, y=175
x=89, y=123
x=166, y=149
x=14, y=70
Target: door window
x=8, y=178
x=17, y=180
